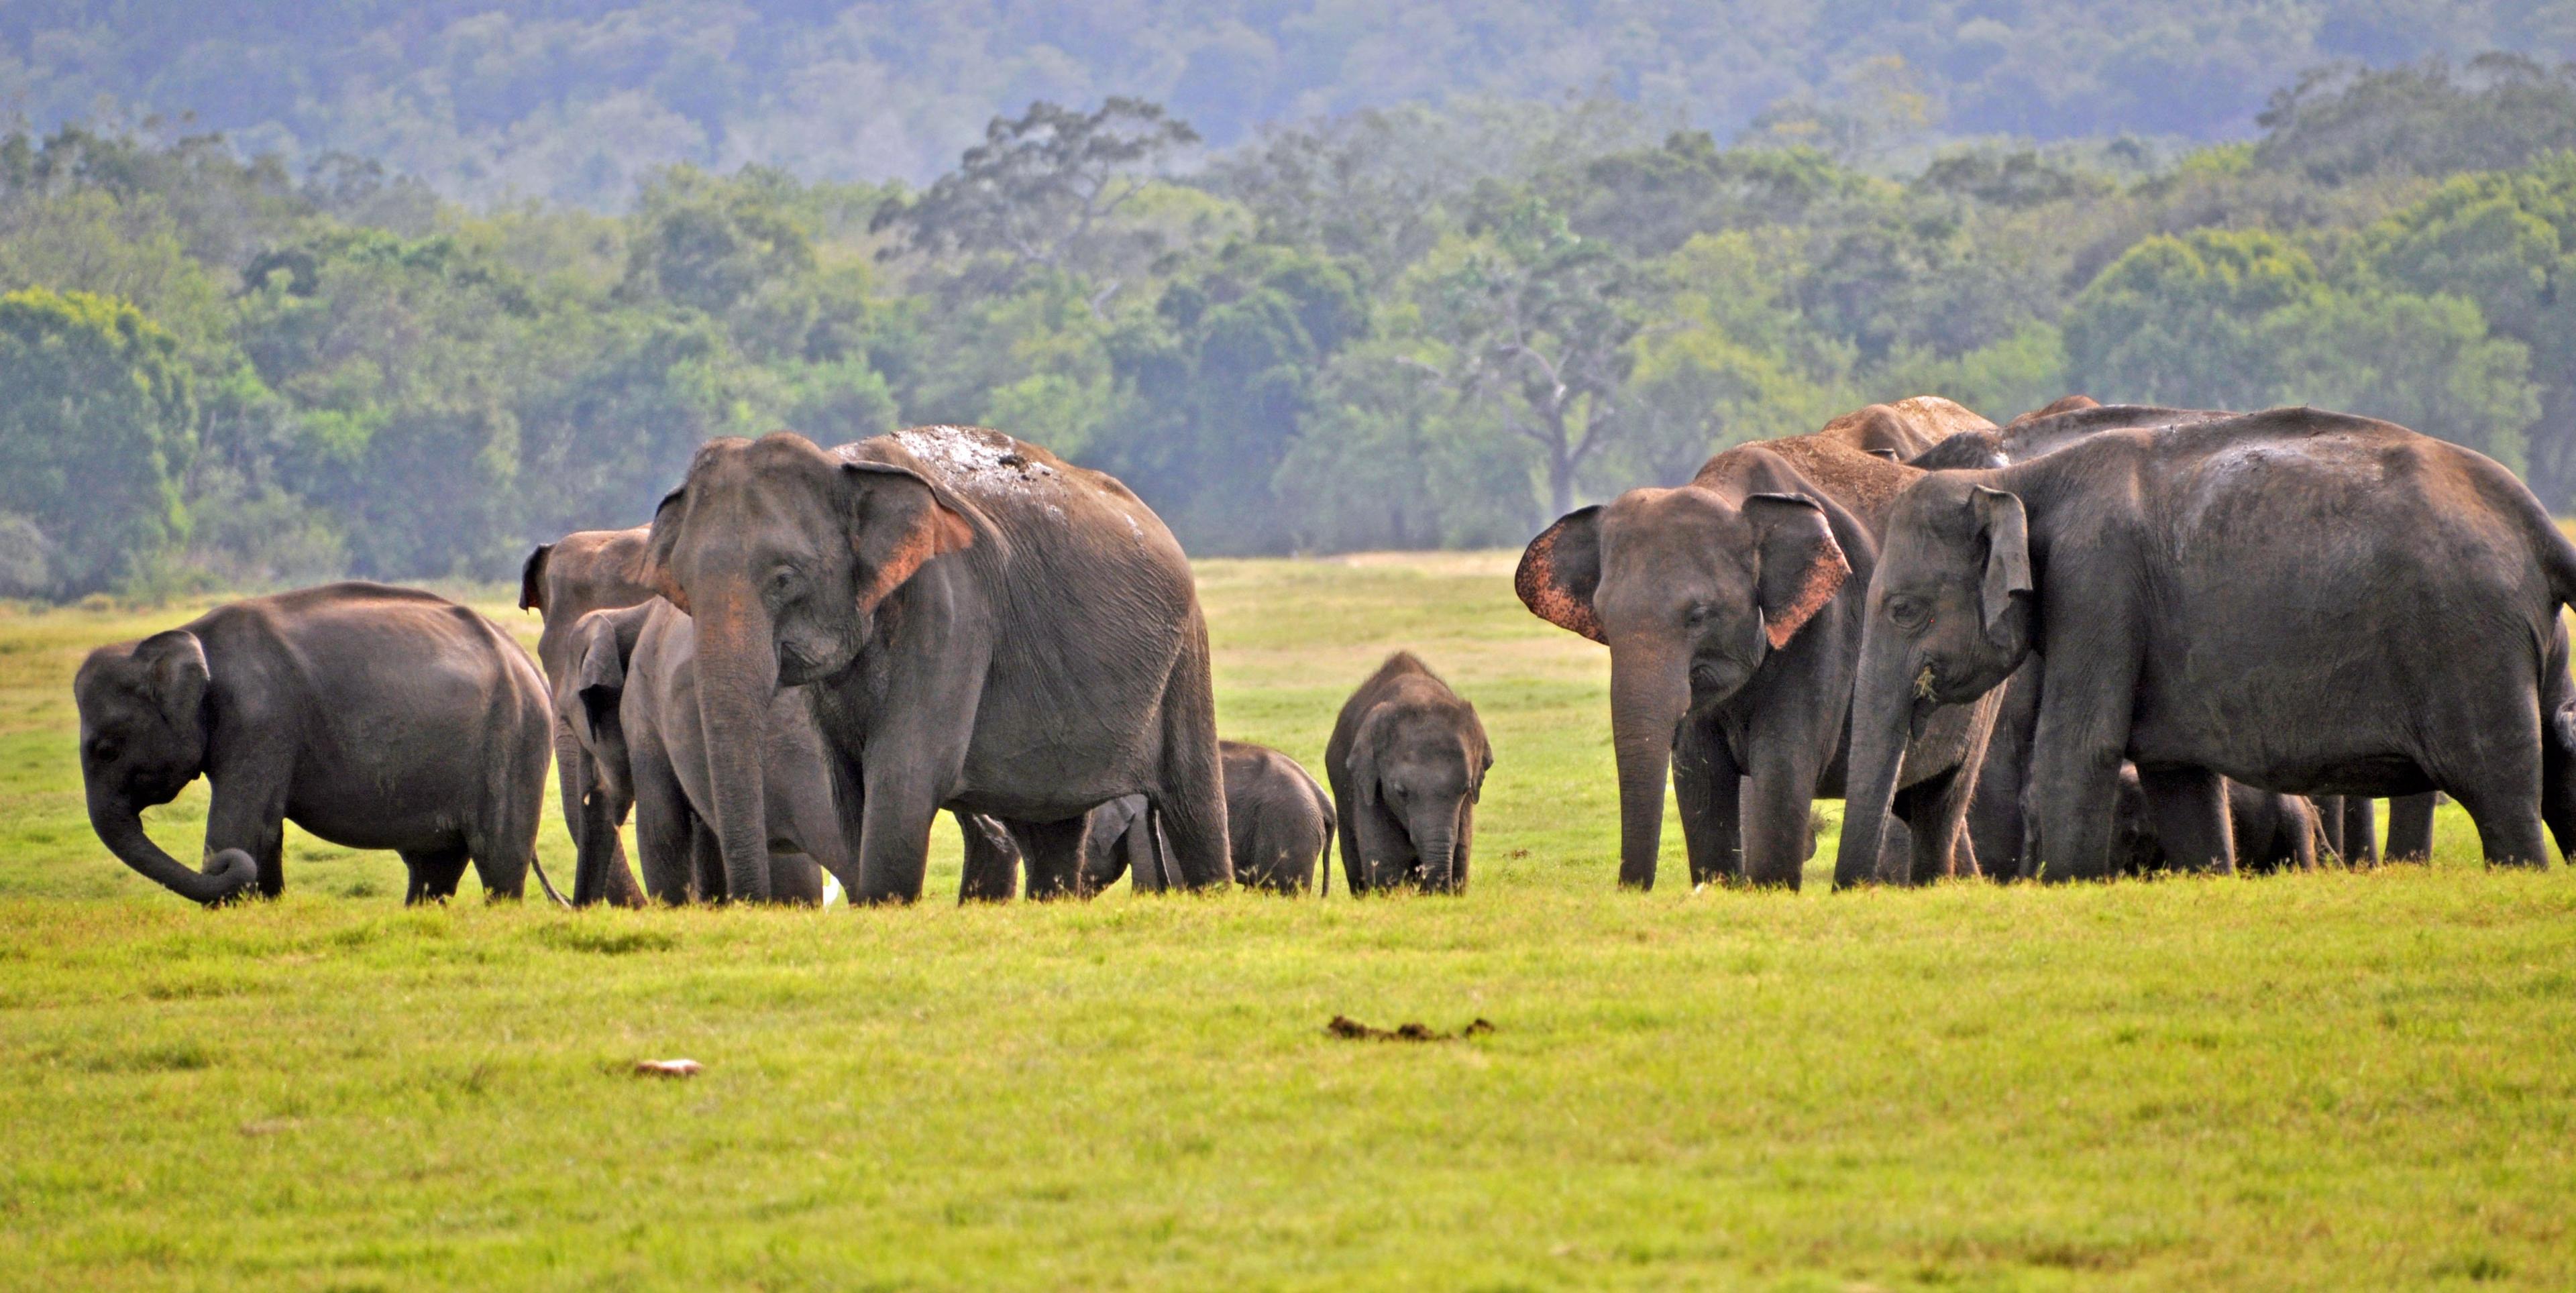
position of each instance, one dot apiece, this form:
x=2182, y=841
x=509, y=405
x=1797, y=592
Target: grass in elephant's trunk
x=2331, y=1080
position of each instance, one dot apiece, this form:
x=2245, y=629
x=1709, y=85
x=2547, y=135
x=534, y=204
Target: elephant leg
x=2410, y=822
x=1053, y=852
x=2189, y=809
x=707, y=875
x=248, y=812
x=1189, y=804
x=992, y=866
x=1463, y=844
x=2506, y=810
x=1707, y=786
x=1937, y=847
x=665, y=830
x=1140, y=849
x=1777, y=800
x=2360, y=832
x=2087, y=684
x=2329, y=822
x=434, y=873
x=795, y=878
x=592, y=814
x=894, y=828
x=1995, y=818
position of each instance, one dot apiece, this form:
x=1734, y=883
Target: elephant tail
x=539, y=864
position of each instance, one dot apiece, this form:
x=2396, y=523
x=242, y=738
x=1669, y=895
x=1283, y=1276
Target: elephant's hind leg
x=434, y=873
x=1190, y=801
x=1052, y=852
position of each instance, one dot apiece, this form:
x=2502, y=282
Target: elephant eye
x=103, y=751
x=1698, y=614
x=1906, y=611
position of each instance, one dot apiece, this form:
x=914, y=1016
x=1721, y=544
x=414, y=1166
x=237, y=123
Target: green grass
x=2325, y=1081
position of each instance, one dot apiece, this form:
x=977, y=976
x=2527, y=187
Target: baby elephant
x=2272, y=831
x=631, y=700
x=1279, y=829
x=1407, y=762
x=374, y=717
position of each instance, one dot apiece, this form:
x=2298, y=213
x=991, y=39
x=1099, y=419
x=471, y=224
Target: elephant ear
x=897, y=523
x=532, y=580
x=599, y=671
x=1559, y=571
x=661, y=542
x=1364, y=742
x=175, y=675
x=1802, y=567
x=2006, y=525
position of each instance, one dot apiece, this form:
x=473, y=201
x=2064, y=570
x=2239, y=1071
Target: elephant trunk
x=1649, y=694
x=737, y=668
x=229, y=873
x=1435, y=847
x=1883, y=705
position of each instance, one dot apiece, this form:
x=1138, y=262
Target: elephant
x=1904, y=429
x=1731, y=607
x=631, y=700
x=585, y=571
x=374, y=717
x=1995, y=816
x=1407, y=760
x=1279, y=822
x=2271, y=831
x=2210, y=600
x=975, y=624
x=595, y=570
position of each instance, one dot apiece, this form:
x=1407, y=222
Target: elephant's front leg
x=247, y=813
x=1052, y=853
x=2189, y=809
x=1777, y=803
x=1707, y=786
x=2410, y=818
x=894, y=830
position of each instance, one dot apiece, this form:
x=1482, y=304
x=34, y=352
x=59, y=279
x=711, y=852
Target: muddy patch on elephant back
x=1349, y=1029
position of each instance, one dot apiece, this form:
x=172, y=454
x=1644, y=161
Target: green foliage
x=95, y=435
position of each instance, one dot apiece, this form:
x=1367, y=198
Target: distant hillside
x=572, y=99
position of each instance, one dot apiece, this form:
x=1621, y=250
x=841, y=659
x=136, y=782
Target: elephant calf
x=2272, y=831
x=1279, y=828
x=1407, y=761
x=630, y=697
x=374, y=717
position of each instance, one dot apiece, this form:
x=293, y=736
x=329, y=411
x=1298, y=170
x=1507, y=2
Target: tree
x=709, y=243
x=1536, y=321
x=1041, y=186
x=2176, y=320
x=95, y=434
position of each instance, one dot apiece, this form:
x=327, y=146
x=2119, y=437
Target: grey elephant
x=596, y=570
x=1995, y=815
x=1407, y=761
x=1279, y=824
x=2271, y=831
x=975, y=623
x=374, y=717
x=2208, y=600
x=1732, y=610
x=631, y=699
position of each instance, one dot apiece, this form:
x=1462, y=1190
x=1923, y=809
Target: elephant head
x=1949, y=617
x=142, y=740
x=783, y=555
x=1691, y=593
x=1417, y=773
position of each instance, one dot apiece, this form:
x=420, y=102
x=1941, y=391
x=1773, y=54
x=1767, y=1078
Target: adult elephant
x=2210, y=600
x=1995, y=816
x=976, y=623
x=1905, y=428
x=603, y=570
x=1732, y=610
x=374, y=717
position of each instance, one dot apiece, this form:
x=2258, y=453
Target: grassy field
x=2324, y=1081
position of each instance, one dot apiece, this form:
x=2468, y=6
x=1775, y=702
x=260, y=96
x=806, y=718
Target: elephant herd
x=2096, y=640
x=805, y=657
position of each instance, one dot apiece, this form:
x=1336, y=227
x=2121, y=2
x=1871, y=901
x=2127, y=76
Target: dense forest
x=223, y=364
